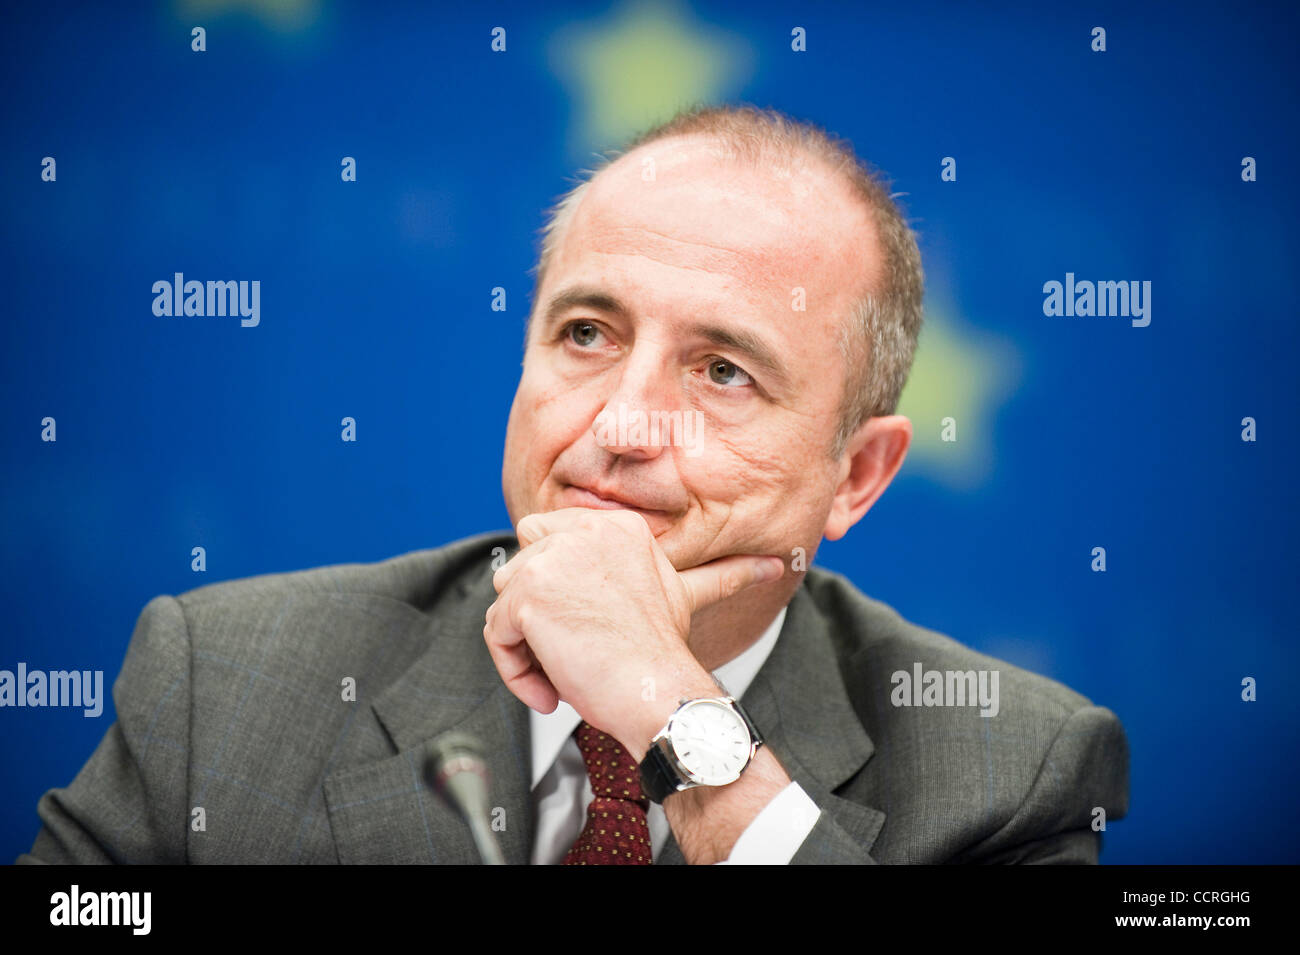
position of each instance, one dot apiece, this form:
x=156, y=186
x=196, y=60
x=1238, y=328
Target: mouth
x=574, y=495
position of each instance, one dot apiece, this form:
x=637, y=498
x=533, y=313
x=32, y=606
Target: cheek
x=549, y=415
x=749, y=467
x=763, y=488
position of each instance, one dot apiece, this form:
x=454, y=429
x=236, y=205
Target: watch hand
x=710, y=750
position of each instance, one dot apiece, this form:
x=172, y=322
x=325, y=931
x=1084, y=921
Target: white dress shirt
x=562, y=789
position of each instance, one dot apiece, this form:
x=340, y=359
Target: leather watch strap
x=753, y=730
x=658, y=781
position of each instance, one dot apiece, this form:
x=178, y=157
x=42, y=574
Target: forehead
x=768, y=226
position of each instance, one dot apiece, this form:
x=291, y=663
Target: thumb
x=719, y=579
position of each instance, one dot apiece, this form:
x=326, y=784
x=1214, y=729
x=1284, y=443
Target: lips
x=605, y=499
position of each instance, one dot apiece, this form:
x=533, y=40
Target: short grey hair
x=878, y=341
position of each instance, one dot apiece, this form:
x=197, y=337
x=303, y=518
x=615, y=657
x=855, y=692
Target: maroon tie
x=616, y=832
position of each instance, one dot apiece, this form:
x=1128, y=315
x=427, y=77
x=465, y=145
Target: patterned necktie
x=616, y=832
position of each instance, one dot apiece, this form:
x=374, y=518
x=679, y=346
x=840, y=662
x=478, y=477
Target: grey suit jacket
x=231, y=701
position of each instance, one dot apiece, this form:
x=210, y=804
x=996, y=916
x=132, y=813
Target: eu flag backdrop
x=1024, y=154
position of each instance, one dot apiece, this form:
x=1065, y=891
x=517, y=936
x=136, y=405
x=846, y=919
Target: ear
x=872, y=458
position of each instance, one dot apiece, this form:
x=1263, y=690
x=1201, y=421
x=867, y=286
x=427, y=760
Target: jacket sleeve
x=829, y=844
x=1085, y=770
x=129, y=802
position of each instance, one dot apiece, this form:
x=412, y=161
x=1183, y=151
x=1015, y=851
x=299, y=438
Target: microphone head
x=455, y=767
x=451, y=755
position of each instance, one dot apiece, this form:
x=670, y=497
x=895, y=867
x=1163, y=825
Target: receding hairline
x=794, y=157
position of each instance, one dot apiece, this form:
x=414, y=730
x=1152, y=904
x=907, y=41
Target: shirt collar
x=550, y=731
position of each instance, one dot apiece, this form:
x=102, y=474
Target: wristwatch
x=706, y=742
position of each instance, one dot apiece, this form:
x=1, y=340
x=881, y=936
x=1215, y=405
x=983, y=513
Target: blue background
x=1073, y=432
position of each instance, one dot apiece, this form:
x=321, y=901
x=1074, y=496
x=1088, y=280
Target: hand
x=592, y=612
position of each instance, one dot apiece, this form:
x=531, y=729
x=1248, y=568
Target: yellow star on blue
x=644, y=62
x=960, y=377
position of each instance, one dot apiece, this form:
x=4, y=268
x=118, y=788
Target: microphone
x=456, y=768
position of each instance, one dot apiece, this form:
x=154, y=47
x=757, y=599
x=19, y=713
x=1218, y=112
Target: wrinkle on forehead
x=685, y=253
x=750, y=241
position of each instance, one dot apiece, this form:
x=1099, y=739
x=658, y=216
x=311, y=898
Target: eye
x=728, y=374
x=582, y=334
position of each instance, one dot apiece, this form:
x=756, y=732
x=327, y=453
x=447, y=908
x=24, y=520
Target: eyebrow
x=587, y=296
x=757, y=353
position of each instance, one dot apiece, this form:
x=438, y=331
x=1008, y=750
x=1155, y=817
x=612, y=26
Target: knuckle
x=523, y=614
x=534, y=571
x=629, y=519
x=729, y=583
x=526, y=528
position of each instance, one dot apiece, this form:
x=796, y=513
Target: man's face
x=679, y=295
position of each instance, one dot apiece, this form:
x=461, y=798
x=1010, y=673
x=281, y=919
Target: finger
x=517, y=665
x=534, y=527
x=722, y=578
x=506, y=572
x=534, y=689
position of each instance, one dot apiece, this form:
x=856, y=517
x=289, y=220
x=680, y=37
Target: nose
x=635, y=421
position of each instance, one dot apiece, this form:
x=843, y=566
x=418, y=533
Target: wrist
x=708, y=820
x=653, y=714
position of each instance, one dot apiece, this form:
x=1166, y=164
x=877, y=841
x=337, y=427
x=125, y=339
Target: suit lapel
x=800, y=705
x=386, y=811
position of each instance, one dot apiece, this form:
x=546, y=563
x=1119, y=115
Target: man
x=723, y=320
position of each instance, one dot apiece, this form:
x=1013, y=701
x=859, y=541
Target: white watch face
x=711, y=741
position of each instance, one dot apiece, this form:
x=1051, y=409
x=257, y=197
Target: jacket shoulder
x=417, y=578
x=247, y=693
x=867, y=629
x=983, y=761
x=342, y=619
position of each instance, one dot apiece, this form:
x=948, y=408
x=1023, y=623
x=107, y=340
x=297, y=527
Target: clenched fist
x=591, y=609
